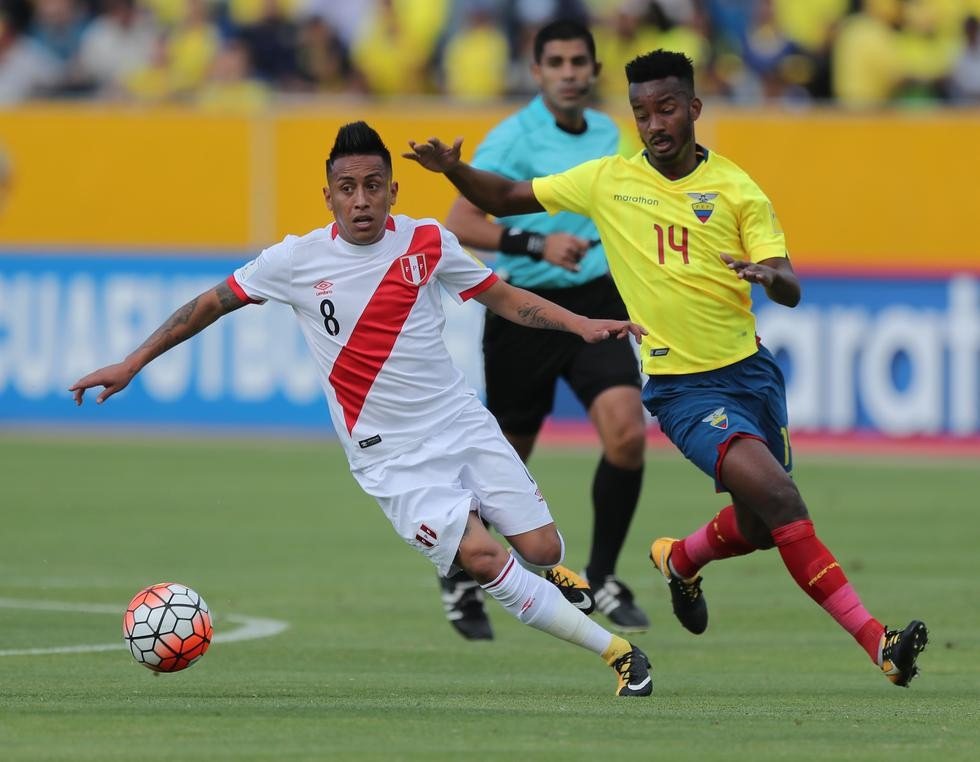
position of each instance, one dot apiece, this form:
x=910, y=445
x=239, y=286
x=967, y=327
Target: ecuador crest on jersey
x=702, y=206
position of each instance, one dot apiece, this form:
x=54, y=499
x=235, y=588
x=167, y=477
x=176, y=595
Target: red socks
x=807, y=559
x=717, y=539
x=817, y=572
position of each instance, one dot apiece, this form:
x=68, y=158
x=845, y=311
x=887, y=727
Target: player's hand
x=753, y=272
x=565, y=250
x=435, y=155
x=114, y=378
x=593, y=331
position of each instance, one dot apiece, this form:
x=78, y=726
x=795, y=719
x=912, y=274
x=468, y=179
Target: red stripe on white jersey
x=370, y=343
x=240, y=292
x=479, y=288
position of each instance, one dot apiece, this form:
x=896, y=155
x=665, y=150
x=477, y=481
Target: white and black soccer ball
x=167, y=627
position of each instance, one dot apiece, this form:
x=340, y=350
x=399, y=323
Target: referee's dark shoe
x=615, y=601
x=462, y=600
x=685, y=594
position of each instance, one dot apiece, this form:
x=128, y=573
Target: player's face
x=665, y=111
x=360, y=193
x=565, y=75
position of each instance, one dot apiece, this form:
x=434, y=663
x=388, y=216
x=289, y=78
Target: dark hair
x=562, y=29
x=661, y=64
x=358, y=139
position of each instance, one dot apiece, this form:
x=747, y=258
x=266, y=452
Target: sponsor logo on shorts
x=322, y=287
x=427, y=536
x=659, y=351
x=369, y=442
x=718, y=419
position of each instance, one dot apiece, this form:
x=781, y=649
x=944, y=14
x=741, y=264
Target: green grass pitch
x=369, y=670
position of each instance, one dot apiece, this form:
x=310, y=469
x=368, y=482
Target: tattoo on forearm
x=163, y=338
x=531, y=315
x=227, y=298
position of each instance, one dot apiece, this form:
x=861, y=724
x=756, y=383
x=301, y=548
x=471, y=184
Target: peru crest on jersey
x=414, y=269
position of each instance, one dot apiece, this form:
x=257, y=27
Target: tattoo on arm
x=192, y=318
x=531, y=315
x=165, y=337
x=228, y=299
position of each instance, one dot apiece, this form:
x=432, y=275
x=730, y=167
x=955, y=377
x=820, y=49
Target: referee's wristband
x=517, y=241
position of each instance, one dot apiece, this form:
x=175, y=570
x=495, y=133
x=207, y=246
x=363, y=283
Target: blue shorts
x=702, y=413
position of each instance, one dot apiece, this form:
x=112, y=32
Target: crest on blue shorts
x=718, y=419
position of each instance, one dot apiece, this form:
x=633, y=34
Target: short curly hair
x=660, y=64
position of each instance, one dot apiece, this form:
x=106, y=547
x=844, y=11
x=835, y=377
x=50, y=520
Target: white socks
x=538, y=603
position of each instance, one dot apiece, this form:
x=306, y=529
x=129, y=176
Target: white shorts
x=428, y=493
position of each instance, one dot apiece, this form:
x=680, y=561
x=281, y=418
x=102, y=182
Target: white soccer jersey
x=372, y=317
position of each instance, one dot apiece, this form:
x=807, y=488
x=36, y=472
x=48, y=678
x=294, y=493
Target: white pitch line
x=77, y=608
x=251, y=627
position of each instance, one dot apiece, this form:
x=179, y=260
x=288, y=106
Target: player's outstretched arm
x=775, y=275
x=190, y=319
x=493, y=193
x=526, y=308
x=472, y=227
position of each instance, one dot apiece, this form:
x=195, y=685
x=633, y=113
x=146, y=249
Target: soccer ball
x=167, y=627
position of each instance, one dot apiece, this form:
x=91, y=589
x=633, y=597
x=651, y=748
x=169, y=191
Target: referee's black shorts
x=522, y=365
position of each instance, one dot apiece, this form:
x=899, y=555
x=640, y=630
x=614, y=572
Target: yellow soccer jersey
x=663, y=239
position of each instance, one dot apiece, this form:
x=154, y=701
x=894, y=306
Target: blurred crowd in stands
x=242, y=54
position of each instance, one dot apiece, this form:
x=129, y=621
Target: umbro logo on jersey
x=702, y=205
x=718, y=419
x=414, y=268
x=323, y=287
